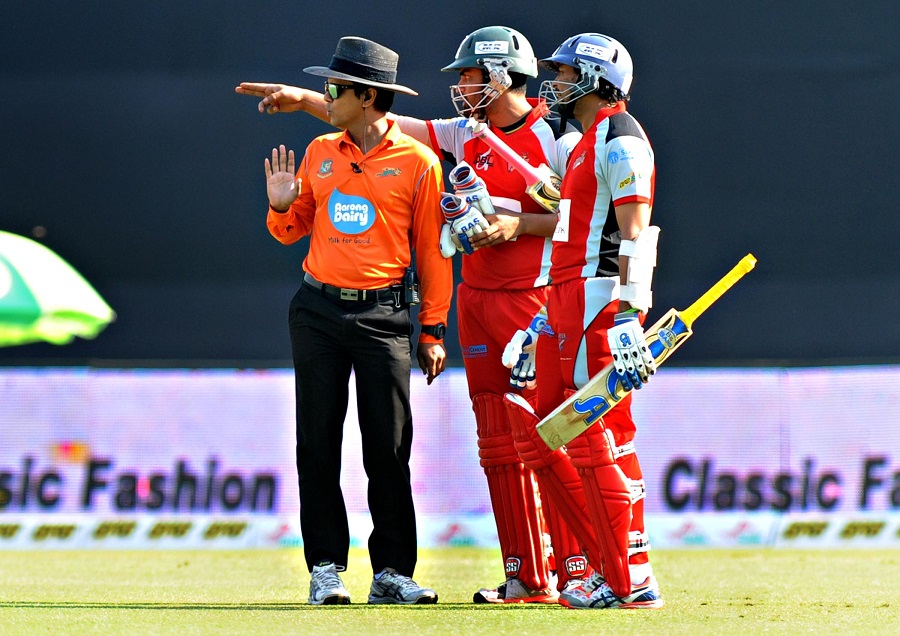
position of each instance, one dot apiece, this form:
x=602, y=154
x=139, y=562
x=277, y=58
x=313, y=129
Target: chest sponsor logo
x=580, y=160
x=326, y=169
x=350, y=214
x=484, y=160
x=389, y=172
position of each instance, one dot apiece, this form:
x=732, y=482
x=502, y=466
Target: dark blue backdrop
x=775, y=126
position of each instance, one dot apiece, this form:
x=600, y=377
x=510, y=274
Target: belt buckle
x=349, y=294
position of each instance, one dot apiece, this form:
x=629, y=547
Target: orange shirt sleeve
x=435, y=271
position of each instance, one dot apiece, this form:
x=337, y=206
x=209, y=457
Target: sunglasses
x=336, y=90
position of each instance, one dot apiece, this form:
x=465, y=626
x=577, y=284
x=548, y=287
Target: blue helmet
x=597, y=57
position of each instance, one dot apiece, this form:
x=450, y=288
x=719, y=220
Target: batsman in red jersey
x=604, y=253
x=506, y=274
x=505, y=280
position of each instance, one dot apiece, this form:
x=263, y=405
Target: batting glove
x=471, y=188
x=449, y=243
x=465, y=220
x=631, y=356
x=519, y=354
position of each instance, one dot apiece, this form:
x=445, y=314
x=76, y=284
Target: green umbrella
x=42, y=297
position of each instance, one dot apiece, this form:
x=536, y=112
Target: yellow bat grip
x=715, y=292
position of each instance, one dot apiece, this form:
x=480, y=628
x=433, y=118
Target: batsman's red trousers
x=574, y=348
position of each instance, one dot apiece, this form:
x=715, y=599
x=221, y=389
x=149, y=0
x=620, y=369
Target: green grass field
x=264, y=592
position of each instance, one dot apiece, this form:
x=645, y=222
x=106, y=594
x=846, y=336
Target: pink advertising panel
x=730, y=457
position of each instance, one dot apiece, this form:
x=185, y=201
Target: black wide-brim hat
x=363, y=61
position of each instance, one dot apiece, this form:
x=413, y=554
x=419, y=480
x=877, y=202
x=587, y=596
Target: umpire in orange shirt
x=369, y=198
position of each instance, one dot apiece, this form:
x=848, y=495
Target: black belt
x=392, y=295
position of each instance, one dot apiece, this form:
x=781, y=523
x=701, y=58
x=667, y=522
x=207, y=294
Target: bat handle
x=481, y=130
x=715, y=292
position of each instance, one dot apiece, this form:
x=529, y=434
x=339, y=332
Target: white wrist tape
x=641, y=253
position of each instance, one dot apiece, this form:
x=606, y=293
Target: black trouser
x=328, y=338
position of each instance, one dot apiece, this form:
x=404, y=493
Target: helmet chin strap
x=566, y=111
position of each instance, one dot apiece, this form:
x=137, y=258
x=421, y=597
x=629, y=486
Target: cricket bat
x=542, y=184
x=605, y=390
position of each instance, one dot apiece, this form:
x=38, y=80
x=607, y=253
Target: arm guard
x=641, y=253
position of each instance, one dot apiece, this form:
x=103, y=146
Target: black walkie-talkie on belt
x=411, y=285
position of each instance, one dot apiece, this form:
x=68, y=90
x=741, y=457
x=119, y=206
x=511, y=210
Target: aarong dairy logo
x=350, y=214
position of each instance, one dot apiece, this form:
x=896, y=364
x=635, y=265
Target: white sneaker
x=393, y=588
x=584, y=586
x=326, y=587
x=643, y=596
x=577, y=592
x=514, y=591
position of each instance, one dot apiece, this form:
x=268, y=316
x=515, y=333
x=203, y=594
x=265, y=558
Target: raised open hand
x=282, y=184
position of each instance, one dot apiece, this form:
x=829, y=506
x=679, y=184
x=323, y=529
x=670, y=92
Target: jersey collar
x=538, y=110
x=609, y=111
x=390, y=138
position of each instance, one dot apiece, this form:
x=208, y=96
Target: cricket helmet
x=505, y=57
x=597, y=57
x=496, y=45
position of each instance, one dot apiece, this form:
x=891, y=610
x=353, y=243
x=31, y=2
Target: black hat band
x=362, y=71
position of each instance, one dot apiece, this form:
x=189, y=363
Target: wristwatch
x=436, y=331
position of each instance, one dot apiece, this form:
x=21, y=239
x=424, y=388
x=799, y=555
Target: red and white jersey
x=523, y=263
x=611, y=165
